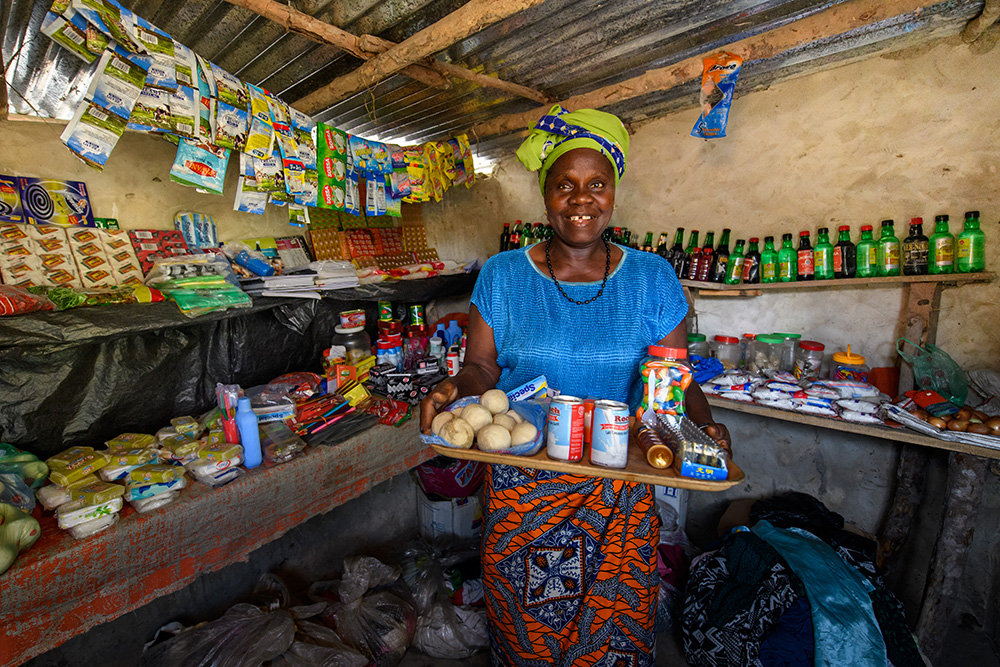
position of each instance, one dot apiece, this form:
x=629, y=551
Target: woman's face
x=580, y=196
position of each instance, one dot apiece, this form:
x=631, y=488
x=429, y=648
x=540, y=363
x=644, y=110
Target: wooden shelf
x=637, y=469
x=62, y=587
x=717, y=289
x=901, y=434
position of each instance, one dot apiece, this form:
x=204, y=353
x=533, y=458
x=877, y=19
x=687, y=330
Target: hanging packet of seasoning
x=71, y=34
x=117, y=85
x=185, y=66
x=303, y=129
x=298, y=216
x=184, y=112
x=93, y=133
x=718, y=81
x=393, y=202
x=466, y=157
x=268, y=173
x=331, y=159
x=416, y=172
x=231, y=127
x=457, y=163
x=310, y=195
x=160, y=48
x=151, y=111
x=202, y=166
x=206, y=80
x=359, y=152
x=352, y=195
x=229, y=89
x=249, y=197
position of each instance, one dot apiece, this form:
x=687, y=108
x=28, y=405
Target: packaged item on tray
x=78, y=468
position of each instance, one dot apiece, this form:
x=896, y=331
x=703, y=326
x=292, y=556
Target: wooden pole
x=837, y=20
x=467, y=20
x=325, y=33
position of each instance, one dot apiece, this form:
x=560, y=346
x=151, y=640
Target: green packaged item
x=68, y=456
x=24, y=464
x=77, y=469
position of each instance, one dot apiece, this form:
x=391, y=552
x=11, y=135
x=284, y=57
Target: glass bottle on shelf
x=505, y=237
x=845, y=254
x=688, y=252
x=769, y=262
x=823, y=255
x=694, y=263
x=805, y=261
x=707, y=254
x=661, y=246
x=867, y=254
x=677, y=252
x=941, y=248
x=734, y=268
x=888, y=251
x=751, y=263
x=915, y=249
x=647, y=243
x=720, y=260
x=971, y=246
x=787, y=260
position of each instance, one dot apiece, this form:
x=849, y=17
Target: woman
x=569, y=561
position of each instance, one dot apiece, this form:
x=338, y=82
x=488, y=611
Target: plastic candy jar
x=808, y=360
x=727, y=350
x=849, y=366
x=791, y=344
x=698, y=346
x=766, y=353
x=665, y=376
x=357, y=342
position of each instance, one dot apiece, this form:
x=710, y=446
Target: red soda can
x=565, y=439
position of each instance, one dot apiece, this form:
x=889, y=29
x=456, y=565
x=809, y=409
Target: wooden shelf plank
x=62, y=587
x=901, y=434
x=718, y=289
x=637, y=469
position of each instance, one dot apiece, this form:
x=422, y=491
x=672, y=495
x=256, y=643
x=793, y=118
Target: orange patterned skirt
x=569, y=569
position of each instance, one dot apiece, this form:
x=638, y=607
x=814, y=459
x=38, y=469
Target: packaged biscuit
x=144, y=505
x=76, y=512
x=97, y=492
x=155, y=473
x=127, y=441
x=78, y=468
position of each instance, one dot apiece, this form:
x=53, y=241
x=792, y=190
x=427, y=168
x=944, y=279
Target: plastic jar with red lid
x=727, y=350
x=808, y=360
x=665, y=376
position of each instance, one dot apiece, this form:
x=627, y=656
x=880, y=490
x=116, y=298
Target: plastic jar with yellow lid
x=849, y=366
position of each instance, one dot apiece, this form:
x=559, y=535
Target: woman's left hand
x=720, y=434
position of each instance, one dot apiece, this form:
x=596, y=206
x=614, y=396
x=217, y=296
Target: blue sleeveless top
x=590, y=350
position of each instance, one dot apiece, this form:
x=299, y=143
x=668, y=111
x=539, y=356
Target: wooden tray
x=637, y=469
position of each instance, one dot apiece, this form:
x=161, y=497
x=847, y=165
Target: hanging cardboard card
x=10, y=200
x=52, y=202
x=71, y=35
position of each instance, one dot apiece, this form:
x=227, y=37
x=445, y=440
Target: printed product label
x=838, y=259
x=944, y=252
x=805, y=262
x=964, y=249
x=785, y=270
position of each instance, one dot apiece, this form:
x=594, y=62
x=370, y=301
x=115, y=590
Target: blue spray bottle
x=246, y=421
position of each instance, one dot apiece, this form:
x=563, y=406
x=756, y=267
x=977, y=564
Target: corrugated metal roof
x=560, y=47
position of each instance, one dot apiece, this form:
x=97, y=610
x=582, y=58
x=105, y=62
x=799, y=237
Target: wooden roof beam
x=834, y=21
x=467, y=20
x=312, y=28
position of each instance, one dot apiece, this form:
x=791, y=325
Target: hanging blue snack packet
x=718, y=81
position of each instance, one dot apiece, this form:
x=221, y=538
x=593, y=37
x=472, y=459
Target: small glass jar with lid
x=727, y=350
x=808, y=360
x=355, y=340
x=698, y=345
x=766, y=354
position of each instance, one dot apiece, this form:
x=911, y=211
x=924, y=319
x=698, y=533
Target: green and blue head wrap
x=560, y=131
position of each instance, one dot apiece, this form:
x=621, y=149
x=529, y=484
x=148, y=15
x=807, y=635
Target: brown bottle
x=657, y=453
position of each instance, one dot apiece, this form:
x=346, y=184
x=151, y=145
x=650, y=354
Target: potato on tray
x=491, y=423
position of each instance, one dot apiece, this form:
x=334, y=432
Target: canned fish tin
x=565, y=439
x=352, y=318
x=417, y=315
x=609, y=443
x=384, y=311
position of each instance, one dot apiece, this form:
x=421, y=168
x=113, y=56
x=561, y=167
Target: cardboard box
x=460, y=518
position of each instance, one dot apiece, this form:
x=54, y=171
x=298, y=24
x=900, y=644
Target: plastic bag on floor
x=375, y=613
x=444, y=630
x=244, y=636
x=316, y=645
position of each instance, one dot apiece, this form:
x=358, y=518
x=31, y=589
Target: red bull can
x=565, y=439
x=609, y=440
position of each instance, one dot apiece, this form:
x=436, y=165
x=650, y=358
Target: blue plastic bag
x=534, y=412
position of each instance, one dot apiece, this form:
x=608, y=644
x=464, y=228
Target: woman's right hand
x=443, y=395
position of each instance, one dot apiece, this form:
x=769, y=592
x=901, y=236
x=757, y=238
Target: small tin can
x=609, y=444
x=588, y=420
x=452, y=363
x=384, y=311
x=352, y=318
x=565, y=439
x=417, y=315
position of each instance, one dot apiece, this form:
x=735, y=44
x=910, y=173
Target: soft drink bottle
x=867, y=253
x=751, y=264
x=916, y=247
x=707, y=255
x=823, y=255
x=971, y=246
x=805, y=269
x=720, y=260
x=769, y=262
x=941, y=248
x=787, y=260
x=845, y=255
x=734, y=268
x=888, y=251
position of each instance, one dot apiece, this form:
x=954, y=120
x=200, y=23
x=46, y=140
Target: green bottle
x=734, y=269
x=823, y=255
x=971, y=246
x=867, y=254
x=751, y=263
x=787, y=260
x=769, y=262
x=941, y=253
x=888, y=251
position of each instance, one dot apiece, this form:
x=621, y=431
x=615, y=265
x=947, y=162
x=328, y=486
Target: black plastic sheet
x=83, y=376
